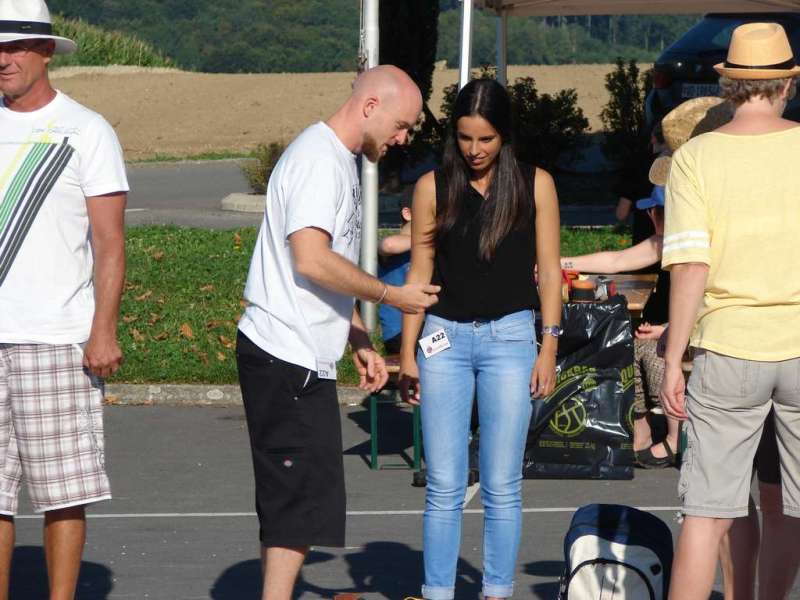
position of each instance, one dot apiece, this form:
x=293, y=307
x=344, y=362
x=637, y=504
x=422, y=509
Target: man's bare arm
x=102, y=354
x=686, y=293
x=358, y=337
x=370, y=365
x=688, y=283
x=315, y=260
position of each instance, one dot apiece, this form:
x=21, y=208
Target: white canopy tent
x=504, y=9
x=550, y=8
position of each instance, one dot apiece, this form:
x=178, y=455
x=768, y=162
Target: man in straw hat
x=731, y=226
x=772, y=547
x=62, y=262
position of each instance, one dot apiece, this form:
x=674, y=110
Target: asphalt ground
x=182, y=523
x=189, y=194
x=186, y=194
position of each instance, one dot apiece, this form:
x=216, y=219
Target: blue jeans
x=494, y=358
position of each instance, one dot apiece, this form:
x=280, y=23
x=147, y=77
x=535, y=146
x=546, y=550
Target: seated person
x=631, y=184
x=394, y=258
x=648, y=367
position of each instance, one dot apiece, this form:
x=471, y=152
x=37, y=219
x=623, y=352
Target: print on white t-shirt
x=51, y=160
x=352, y=231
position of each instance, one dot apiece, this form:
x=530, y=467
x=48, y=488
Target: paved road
x=181, y=525
x=189, y=194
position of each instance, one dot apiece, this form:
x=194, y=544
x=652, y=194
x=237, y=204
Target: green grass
x=584, y=240
x=182, y=301
x=98, y=47
x=217, y=155
x=181, y=304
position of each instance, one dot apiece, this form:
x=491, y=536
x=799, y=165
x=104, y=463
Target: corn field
x=97, y=47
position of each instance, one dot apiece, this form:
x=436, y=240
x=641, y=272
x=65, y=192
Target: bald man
x=300, y=315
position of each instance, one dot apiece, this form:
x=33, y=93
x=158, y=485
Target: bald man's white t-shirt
x=315, y=184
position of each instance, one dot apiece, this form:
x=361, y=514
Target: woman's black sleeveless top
x=473, y=289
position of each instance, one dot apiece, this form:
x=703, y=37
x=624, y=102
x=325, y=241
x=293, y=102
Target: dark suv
x=686, y=69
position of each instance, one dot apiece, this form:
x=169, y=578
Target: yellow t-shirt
x=733, y=203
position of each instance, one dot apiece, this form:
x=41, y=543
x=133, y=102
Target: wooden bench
x=393, y=397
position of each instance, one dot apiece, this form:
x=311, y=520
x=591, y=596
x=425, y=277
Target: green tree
x=626, y=139
x=323, y=35
x=408, y=40
x=547, y=128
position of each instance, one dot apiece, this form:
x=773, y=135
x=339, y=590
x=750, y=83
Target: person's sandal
x=646, y=459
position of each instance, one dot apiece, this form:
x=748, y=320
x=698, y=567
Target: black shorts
x=767, y=461
x=296, y=440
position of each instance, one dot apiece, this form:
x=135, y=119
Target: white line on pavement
x=350, y=513
x=127, y=210
x=479, y=511
x=471, y=491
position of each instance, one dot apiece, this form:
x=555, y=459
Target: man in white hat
x=732, y=213
x=62, y=264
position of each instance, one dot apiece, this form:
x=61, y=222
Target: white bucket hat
x=30, y=20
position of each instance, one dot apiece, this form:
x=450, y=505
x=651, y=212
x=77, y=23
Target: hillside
x=98, y=47
x=162, y=112
x=322, y=35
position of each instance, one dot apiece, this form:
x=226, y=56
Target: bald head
x=383, y=107
x=386, y=82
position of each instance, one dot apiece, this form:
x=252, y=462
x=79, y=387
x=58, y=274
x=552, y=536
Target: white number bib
x=326, y=369
x=434, y=343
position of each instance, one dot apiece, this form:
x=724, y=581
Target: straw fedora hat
x=693, y=117
x=759, y=51
x=30, y=20
x=659, y=170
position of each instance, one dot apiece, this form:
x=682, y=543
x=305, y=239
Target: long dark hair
x=507, y=204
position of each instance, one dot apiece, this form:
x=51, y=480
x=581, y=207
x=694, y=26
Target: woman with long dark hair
x=480, y=224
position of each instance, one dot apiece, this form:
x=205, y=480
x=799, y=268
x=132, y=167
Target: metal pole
x=466, y=43
x=502, y=48
x=369, y=173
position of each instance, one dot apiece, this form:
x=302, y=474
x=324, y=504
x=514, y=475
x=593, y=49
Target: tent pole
x=502, y=48
x=466, y=43
x=369, y=172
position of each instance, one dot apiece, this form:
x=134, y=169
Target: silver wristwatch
x=553, y=330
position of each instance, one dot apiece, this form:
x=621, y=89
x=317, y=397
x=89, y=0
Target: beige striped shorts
x=51, y=428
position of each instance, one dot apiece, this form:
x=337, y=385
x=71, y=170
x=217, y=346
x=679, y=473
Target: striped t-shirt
x=51, y=159
x=733, y=203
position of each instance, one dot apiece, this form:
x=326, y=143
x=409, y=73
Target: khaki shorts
x=51, y=428
x=728, y=400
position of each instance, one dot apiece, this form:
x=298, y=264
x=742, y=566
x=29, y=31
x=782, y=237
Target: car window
x=713, y=33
